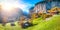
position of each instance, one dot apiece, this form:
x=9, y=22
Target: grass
x=51, y=24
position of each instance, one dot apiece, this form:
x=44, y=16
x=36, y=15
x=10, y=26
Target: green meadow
x=52, y=23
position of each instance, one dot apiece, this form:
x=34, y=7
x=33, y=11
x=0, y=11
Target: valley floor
x=49, y=24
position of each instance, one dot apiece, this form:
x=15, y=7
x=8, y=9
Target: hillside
x=50, y=24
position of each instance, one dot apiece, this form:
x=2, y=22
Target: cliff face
x=0, y=14
x=15, y=15
x=46, y=5
x=11, y=15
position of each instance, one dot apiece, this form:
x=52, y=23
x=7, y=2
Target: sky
x=7, y=6
x=23, y=4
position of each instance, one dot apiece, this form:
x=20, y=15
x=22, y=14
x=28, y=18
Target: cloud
x=14, y=3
